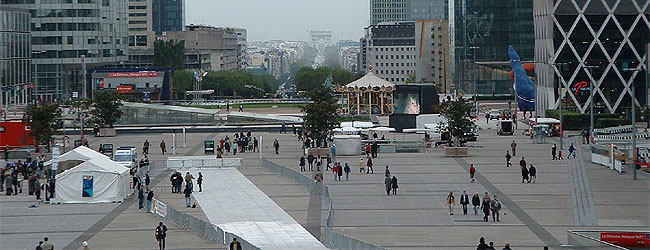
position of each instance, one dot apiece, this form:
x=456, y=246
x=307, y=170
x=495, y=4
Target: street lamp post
x=633, y=107
x=561, y=104
x=591, y=97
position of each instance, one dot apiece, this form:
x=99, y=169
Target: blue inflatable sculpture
x=524, y=86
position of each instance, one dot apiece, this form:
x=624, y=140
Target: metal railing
x=204, y=229
x=330, y=238
x=201, y=162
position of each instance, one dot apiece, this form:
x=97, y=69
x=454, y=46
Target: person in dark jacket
x=310, y=159
x=339, y=171
x=394, y=185
x=387, y=172
x=234, y=245
x=464, y=201
x=149, y=200
x=140, y=198
x=481, y=244
x=524, y=174
x=532, y=171
x=476, y=202
x=199, y=181
x=302, y=163
x=347, y=171
x=188, y=198
x=485, y=206
x=370, y=170
x=388, y=182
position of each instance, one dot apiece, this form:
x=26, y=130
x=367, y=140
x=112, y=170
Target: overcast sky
x=283, y=19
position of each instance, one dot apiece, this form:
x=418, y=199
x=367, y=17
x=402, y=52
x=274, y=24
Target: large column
x=358, y=102
x=381, y=108
x=545, y=89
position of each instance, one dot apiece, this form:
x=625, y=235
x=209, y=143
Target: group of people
x=39, y=178
x=240, y=143
x=486, y=205
x=177, y=181
x=528, y=174
x=483, y=246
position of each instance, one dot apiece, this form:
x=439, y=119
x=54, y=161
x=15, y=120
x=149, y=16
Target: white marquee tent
x=96, y=180
x=80, y=153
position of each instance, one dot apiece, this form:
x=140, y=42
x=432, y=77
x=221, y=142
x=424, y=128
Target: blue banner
x=88, y=186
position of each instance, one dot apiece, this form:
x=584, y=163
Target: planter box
x=455, y=151
x=107, y=132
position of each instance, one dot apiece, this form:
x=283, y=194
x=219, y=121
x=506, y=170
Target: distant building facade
x=141, y=33
x=389, y=11
x=429, y=10
x=432, y=53
x=391, y=51
x=15, y=57
x=168, y=15
x=320, y=39
x=219, y=43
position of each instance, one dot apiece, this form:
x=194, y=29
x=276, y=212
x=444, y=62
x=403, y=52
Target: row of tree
x=226, y=83
x=307, y=78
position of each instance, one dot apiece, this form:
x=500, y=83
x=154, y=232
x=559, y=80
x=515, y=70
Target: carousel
x=368, y=95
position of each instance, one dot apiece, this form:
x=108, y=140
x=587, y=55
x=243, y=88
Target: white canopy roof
x=97, y=164
x=80, y=153
x=370, y=80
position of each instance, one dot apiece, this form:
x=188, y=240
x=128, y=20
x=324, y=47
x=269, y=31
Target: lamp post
x=591, y=97
x=38, y=53
x=561, y=103
x=633, y=107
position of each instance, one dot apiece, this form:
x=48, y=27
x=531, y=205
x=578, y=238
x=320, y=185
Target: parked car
x=495, y=114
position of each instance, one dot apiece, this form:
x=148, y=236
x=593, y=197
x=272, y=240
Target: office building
x=432, y=53
x=219, y=43
x=243, y=61
x=141, y=33
x=602, y=44
x=168, y=15
x=391, y=51
x=480, y=33
x=15, y=53
x=389, y=11
x=66, y=35
x=429, y=10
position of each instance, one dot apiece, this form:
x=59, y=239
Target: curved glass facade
x=15, y=52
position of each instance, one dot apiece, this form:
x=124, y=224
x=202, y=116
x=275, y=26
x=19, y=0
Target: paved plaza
x=568, y=194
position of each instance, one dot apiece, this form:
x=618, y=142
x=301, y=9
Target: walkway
x=584, y=211
x=234, y=203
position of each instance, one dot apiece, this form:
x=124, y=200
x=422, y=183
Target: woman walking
x=394, y=185
x=524, y=174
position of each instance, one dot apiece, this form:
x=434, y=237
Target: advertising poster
x=161, y=209
x=627, y=239
x=87, y=186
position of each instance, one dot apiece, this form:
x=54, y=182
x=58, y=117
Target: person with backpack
x=476, y=202
x=472, y=171
x=495, y=205
x=451, y=201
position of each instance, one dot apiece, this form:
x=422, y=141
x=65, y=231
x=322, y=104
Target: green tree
x=411, y=78
x=332, y=57
x=106, y=109
x=169, y=54
x=459, y=122
x=44, y=121
x=321, y=116
x=308, y=79
x=183, y=81
x=342, y=76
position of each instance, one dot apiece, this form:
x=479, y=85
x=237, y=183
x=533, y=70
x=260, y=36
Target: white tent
x=96, y=180
x=356, y=124
x=80, y=153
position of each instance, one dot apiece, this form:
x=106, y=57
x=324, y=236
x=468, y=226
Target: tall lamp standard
x=38, y=55
x=561, y=103
x=591, y=97
x=633, y=107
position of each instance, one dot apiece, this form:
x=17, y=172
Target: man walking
x=464, y=201
x=522, y=163
x=145, y=147
x=199, y=181
x=554, y=151
x=163, y=147
x=276, y=146
x=234, y=245
x=451, y=201
x=508, y=157
x=310, y=159
x=394, y=185
x=572, y=151
x=496, y=207
x=387, y=172
x=161, y=234
x=47, y=245
x=532, y=171
x=188, y=197
x=513, y=145
x=472, y=170
x=476, y=202
x=147, y=181
x=388, y=182
x=140, y=198
x=149, y=200
x=369, y=163
x=347, y=171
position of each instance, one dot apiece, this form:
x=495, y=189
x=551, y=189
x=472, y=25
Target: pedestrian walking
x=301, y=163
x=532, y=171
x=347, y=171
x=524, y=174
x=362, y=165
x=145, y=147
x=464, y=201
x=507, y=247
x=284, y=128
x=310, y=159
x=188, y=197
x=387, y=172
x=370, y=169
x=256, y=145
x=451, y=201
x=276, y=146
x=85, y=245
x=522, y=162
x=47, y=245
x=147, y=181
x=161, y=234
x=388, y=182
x=472, y=170
x=39, y=246
x=495, y=205
x=572, y=152
x=485, y=207
x=513, y=146
x=149, y=201
x=339, y=170
x=554, y=151
x=199, y=181
x=163, y=147
x=476, y=202
x=481, y=244
x=333, y=151
x=140, y=198
x=329, y=161
x=394, y=185
x=234, y=245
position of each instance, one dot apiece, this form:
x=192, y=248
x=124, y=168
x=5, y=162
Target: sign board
x=55, y=158
x=160, y=209
x=87, y=189
x=134, y=74
x=124, y=89
x=627, y=239
x=75, y=94
x=146, y=96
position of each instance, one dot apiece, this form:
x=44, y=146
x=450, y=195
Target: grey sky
x=283, y=19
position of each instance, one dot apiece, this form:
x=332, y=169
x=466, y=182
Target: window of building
x=70, y=40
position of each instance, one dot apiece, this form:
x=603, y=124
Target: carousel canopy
x=370, y=80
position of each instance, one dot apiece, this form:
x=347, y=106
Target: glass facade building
x=481, y=31
x=15, y=61
x=588, y=46
x=168, y=15
x=64, y=31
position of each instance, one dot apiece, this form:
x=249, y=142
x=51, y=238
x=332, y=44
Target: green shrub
x=611, y=122
x=577, y=121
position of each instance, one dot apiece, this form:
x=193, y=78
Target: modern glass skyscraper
x=15, y=56
x=168, y=15
x=64, y=31
x=481, y=31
